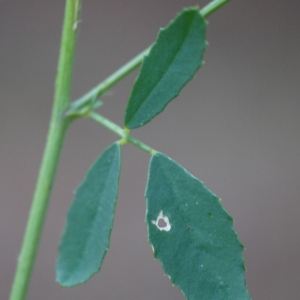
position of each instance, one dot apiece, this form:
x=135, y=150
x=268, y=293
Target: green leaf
x=89, y=222
x=172, y=62
x=192, y=235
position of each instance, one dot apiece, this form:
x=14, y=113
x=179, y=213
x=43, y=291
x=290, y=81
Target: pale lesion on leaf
x=162, y=222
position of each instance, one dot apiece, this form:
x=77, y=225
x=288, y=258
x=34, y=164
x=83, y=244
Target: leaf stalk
x=123, y=133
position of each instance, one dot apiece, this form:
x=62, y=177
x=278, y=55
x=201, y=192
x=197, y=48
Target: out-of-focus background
x=235, y=127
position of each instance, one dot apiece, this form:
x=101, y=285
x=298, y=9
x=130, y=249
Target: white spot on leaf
x=162, y=222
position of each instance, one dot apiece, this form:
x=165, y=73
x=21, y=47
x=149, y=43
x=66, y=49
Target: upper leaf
x=90, y=219
x=172, y=62
x=192, y=235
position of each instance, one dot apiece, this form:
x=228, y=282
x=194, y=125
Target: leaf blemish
x=162, y=222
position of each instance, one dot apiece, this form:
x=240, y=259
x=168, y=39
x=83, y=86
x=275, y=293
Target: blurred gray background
x=235, y=127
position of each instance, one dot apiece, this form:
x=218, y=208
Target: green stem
x=104, y=86
x=110, y=81
x=108, y=124
x=141, y=145
x=123, y=133
x=56, y=134
x=212, y=7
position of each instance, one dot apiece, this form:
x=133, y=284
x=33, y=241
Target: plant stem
x=56, y=134
x=141, y=145
x=212, y=7
x=123, y=133
x=108, y=124
x=109, y=82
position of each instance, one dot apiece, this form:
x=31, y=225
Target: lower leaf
x=192, y=235
x=89, y=222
